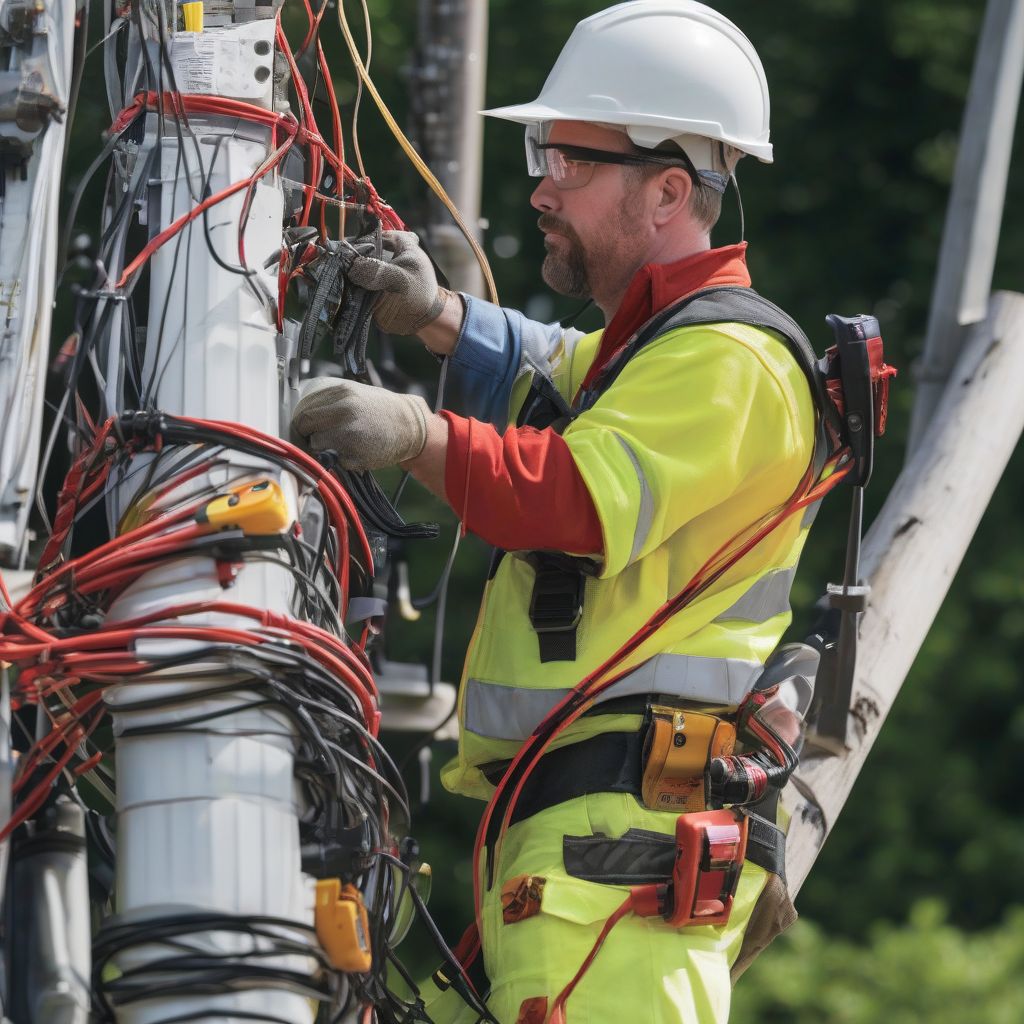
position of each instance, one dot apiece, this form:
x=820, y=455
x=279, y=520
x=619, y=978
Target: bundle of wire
x=67, y=653
x=64, y=645
x=331, y=192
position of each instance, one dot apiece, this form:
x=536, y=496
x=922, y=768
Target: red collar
x=656, y=285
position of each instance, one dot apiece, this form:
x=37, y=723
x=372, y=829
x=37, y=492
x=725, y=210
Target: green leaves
x=927, y=970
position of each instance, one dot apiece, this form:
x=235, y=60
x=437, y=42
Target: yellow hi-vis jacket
x=707, y=430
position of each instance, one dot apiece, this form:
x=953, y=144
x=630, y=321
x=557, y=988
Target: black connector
x=141, y=425
x=346, y=854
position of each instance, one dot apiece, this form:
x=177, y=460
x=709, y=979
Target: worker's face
x=595, y=235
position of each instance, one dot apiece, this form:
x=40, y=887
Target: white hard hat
x=663, y=70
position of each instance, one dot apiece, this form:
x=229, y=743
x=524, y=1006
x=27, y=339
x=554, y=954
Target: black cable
x=77, y=68
x=181, y=115
x=460, y=979
x=78, y=195
x=116, y=937
x=305, y=585
x=285, y=696
x=246, y=272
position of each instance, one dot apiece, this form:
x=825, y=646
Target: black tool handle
x=852, y=334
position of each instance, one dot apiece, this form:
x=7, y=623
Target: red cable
x=183, y=103
x=169, y=232
x=558, y=1007
x=307, y=119
x=339, y=138
x=329, y=487
x=103, y=639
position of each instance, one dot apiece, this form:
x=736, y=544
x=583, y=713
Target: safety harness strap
x=556, y=603
x=725, y=304
x=610, y=762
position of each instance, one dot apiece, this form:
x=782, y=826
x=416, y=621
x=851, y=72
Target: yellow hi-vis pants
x=646, y=970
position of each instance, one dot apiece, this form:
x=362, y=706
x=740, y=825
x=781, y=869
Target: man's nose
x=545, y=196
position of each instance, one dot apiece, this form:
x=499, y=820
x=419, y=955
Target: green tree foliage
x=927, y=970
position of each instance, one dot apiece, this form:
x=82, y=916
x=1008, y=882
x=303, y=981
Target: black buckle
x=556, y=604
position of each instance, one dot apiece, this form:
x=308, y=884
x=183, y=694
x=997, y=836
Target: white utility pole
x=966, y=423
x=970, y=237
x=448, y=79
x=207, y=817
x=35, y=86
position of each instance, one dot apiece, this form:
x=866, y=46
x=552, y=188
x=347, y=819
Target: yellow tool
x=257, y=509
x=192, y=13
x=342, y=925
x=677, y=752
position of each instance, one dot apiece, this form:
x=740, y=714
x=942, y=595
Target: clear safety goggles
x=571, y=167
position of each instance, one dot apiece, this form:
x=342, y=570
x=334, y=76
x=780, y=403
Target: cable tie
x=142, y=425
x=103, y=293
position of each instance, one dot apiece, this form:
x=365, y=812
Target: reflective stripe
x=764, y=599
x=646, y=512
x=505, y=712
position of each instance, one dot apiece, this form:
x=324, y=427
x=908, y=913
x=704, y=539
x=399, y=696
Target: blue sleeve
x=490, y=350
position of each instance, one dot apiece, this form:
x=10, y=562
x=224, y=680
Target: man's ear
x=676, y=188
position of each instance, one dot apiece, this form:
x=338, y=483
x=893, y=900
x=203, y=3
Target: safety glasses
x=573, y=166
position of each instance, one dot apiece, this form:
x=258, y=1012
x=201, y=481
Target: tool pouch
x=710, y=849
x=678, y=749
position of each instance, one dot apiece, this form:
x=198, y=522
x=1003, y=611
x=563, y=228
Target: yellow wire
x=424, y=171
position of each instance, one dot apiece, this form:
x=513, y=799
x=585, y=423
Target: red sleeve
x=519, y=491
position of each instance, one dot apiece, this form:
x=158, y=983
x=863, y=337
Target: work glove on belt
x=369, y=427
x=408, y=294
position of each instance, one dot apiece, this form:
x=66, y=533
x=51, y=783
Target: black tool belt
x=612, y=762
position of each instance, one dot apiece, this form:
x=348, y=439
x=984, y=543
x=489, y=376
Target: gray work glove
x=369, y=428
x=408, y=295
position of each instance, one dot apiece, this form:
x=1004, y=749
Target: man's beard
x=577, y=271
x=565, y=273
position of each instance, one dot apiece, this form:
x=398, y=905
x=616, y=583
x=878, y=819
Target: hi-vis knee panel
x=705, y=431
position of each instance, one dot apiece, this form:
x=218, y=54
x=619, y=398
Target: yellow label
x=192, y=14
